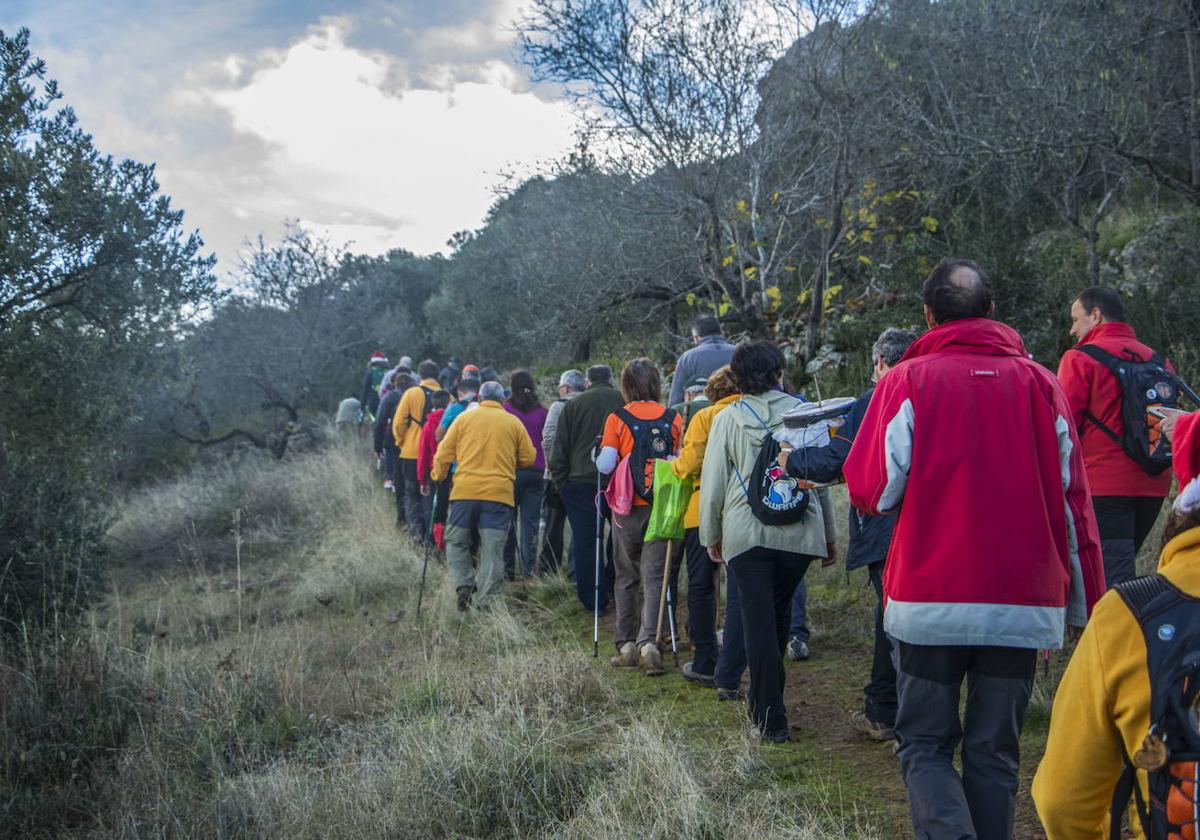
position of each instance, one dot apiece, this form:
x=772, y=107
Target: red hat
x=469, y=369
x=377, y=358
x=1185, y=457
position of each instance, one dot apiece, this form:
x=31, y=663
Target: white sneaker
x=390, y=486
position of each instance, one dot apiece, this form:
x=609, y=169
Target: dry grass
x=267, y=678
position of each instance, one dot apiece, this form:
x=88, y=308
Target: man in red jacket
x=995, y=550
x=1127, y=499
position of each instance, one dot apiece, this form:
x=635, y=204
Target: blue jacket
x=870, y=536
x=711, y=353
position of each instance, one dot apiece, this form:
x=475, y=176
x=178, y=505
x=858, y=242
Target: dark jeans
x=798, y=629
x=766, y=581
x=731, y=660
x=979, y=803
x=555, y=517
x=389, y=463
x=702, y=604
x=580, y=502
x=880, y=692
x=416, y=508
x=527, y=491
x=1124, y=522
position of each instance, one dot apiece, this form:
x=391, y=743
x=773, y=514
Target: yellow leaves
x=691, y=299
x=864, y=259
x=742, y=206
x=851, y=235
x=774, y=198
x=789, y=268
x=821, y=221
x=804, y=297
x=751, y=272
x=929, y=223
x=723, y=309
x=774, y=298
x=867, y=236
x=728, y=261
x=830, y=294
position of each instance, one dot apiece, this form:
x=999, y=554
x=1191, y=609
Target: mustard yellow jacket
x=406, y=423
x=691, y=455
x=1102, y=705
x=489, y=445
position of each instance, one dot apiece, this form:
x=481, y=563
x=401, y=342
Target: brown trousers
x=639, y=571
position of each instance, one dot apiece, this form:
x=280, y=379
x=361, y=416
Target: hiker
x=765, y=560
x=385, y=442
x=711, y=352
x=346, y=419
x=531, y=483
x=573, y=471
x=369, y=400
x=995, y=550
x=449, y=376
x=1102, y=709
x=1126, y=497
x=466, y=396
x=570, y=385
x=693, y=399
x=406, y=429
x=487, y=446
x=426, y=449
x=634, y=436
x=870, y=536
x=720, y=391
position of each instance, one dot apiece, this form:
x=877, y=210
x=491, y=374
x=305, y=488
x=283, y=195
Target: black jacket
x=383, y=420
x=370, y=397
x=582, y=419
x=870, y=536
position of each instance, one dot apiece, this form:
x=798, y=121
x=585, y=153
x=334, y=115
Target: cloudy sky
x=385, y=123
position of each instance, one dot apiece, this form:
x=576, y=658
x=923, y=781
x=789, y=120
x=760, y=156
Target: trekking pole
x=662, y=598
x=599, y=544
x=671, y=612
x=425, y=562
x=717, y=593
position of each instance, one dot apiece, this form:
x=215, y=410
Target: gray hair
x=599, y=373
x=891, y=345
x=491, y=391
x=572, y=379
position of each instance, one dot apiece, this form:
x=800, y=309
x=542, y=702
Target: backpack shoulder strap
x=1147, y=596
x=1098, y=353
x=626, y=417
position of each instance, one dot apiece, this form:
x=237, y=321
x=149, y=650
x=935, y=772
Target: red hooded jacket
x=1092, y=389
x=427, y=444
x=971, y=443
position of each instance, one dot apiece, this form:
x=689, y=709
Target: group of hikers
x=993, y=504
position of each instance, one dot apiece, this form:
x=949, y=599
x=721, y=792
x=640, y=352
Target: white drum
x=810, y=424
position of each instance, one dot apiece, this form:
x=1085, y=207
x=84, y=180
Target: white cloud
x=341, y=145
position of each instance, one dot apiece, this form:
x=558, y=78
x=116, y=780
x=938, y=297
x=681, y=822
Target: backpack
x=651, y=439
x=619, y=492
x=1143, y=384
x=377, y=374
x=1170, y=753
x=775, y=498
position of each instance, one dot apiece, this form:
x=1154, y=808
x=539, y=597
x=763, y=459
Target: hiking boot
x=797, y=649
x=627, y=656
x=769, y=737
x=652, y=660
x=731, y=694
x=873, y=729
x=692, y=675
x=464, y=598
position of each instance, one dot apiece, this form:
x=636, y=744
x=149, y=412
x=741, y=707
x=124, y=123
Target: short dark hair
x=599, y=373
x=488, y=374
x=640, y=381
x=957, y=289
x=428, y=369
x=757, y=366
x=440, y=399
x=1111, y=307
x=706, y=325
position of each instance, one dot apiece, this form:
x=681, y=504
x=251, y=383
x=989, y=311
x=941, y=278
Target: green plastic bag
x=671, y=497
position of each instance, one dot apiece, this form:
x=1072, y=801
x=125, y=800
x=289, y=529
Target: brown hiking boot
x=626, y=656
x=652, y=660
x=873, y=729
x=464, y=598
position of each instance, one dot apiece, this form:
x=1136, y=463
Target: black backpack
x=651, y=439
x=1143, y=384
x=775, y=498
x=428, y=407
x=1170, y=753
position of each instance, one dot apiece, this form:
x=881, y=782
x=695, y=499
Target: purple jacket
x=533, y=421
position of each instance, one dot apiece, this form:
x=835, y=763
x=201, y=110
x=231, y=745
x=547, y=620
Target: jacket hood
x=752, y=411
x=1183, y=549
x=1110, y=330
x=970, y=335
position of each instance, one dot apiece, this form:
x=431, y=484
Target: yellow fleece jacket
x=406, y=423
x=489, y=445
x=1103, y=703
x=691, y=455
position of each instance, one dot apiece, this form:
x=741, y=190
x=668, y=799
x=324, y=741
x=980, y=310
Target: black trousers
x=580, y=502
x=1124, y=523
x=766, y=579
x=555, y=515
x=415, y=508
x=880, y=692
x=980, y=802
x=702, y=604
